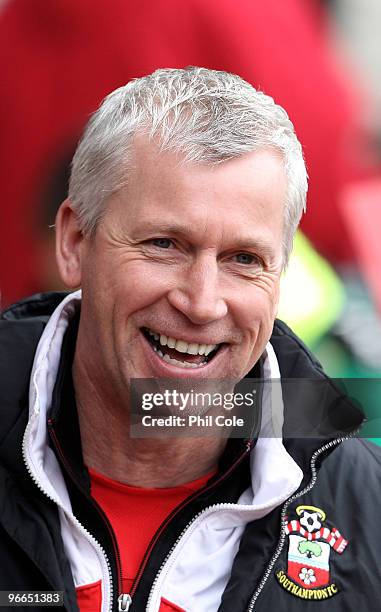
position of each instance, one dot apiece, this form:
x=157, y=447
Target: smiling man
x=188, y=253
x=185, y=193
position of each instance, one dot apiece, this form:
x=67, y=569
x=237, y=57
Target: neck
x=143, y=462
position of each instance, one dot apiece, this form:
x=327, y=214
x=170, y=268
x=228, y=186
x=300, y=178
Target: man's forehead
x=148, y=156
x=239, y=201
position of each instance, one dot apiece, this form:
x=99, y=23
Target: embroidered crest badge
x=309, y=548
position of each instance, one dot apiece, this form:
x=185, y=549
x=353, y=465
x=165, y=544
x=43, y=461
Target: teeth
x=151, y=333
x=182, y=364
x=181, y=346
x=193, y=349
x=184, y=347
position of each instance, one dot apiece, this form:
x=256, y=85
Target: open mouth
x=180, y=353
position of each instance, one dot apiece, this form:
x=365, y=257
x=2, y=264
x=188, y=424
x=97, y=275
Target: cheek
x=119, y=277
x=139, y=286
x=257, y=310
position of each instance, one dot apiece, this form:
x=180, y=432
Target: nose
x=198, y=294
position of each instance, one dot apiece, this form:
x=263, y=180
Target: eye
x=247, y=264
x=246, y=259
x=162, y=243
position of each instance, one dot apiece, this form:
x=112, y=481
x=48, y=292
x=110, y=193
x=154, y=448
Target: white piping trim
x=87, y=561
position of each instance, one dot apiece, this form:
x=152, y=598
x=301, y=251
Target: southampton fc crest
x=309, y=547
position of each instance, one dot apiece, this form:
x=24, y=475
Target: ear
x=69, y=239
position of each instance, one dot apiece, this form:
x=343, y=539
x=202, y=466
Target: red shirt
x=135, y=514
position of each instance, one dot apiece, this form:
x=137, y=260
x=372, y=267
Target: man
x=185, y=193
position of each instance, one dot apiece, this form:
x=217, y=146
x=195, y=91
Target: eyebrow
x=159, y=226
x=179, y=229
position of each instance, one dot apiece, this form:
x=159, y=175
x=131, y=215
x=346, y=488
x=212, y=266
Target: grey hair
x=207, y=116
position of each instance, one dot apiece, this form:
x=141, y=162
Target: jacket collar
x=269, y=484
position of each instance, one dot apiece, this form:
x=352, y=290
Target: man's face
x=181, y=279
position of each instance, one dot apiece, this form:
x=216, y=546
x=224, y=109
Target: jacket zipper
x=128, y=597
x=105, y=563
x=285, y=506
x=189, y=525
x=92, y=502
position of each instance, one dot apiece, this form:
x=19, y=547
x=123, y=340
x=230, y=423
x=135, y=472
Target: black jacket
x=341, y=478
